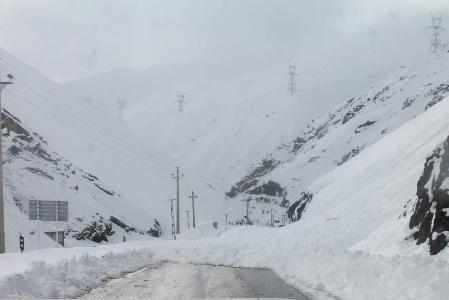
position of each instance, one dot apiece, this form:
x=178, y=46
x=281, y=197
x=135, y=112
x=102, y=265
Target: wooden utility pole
x=193, y=196
x=3, y=84
x=178, y=179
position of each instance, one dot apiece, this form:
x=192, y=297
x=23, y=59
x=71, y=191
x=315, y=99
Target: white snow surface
x=350, y=244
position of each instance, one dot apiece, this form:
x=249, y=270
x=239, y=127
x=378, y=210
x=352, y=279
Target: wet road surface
x=187, y=281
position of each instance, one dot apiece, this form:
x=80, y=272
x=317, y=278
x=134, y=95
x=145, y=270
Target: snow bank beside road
x=347, y=274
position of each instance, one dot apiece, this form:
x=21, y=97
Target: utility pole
x=271, y=214
x=178, y=179
x=292, y=79
x=188, y=219
x=247, y=213
x=172, y=216
x=121, y=107
x=181, y=101
x=3, y=84
x=436, y=28
x=226, y=225
x=193, y=196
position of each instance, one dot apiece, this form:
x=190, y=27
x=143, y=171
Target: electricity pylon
x=172, y=216
x=181, y=101
x=436, y=28
x=3, y=84
x=292, y=79
x=121, y=107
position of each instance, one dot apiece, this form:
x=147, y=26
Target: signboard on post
x=41, y=210
x=48, y=210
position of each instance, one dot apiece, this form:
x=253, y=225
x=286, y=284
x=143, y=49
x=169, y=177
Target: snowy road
x=184, y=281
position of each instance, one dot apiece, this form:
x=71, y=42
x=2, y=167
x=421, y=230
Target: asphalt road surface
x=187, y=281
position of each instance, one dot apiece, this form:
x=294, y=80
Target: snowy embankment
x=61, y=273
x=354, y=250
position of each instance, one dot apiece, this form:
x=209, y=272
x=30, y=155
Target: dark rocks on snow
x=39, y=172
x=270, y=188
x=364, y=125
x=430, y=217
x=97, y=231
x=110, y=193
x=355, y=151
x=296, y=210
x=297, y=144
x=156, y=230
x=122, y=224
x=250, y=180
x=408, y=102
x=438, y=94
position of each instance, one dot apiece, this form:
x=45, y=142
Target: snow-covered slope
x=77, y=135
x=232, y=117
x=335, y=138
x=32, y=171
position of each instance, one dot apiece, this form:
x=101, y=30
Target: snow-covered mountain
x=328, y=142
x=60, y=149
x=32, y=171
x=232, y=117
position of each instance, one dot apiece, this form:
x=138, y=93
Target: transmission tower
x=121, y=107
x=436, y=28
x=172, y=216
x=181, y=101
x=292, y=79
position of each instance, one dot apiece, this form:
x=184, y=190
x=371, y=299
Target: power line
x=70, y=112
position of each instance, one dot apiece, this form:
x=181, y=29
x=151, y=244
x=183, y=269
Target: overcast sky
x=67, y=39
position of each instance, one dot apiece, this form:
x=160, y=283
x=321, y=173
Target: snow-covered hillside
x=232, y=117
x=82, y=140
x=330, y=141
x=33, y=172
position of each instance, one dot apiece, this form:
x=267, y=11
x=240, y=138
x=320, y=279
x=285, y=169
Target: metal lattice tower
x=181, y=101
x=172, y=216
x=436, y=28
x=292, y=80
x=121, y=107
